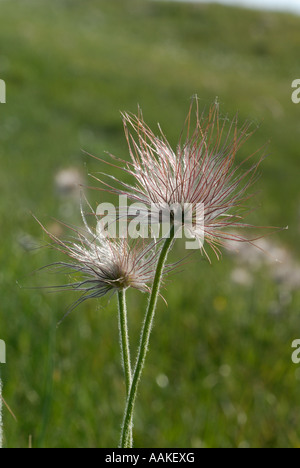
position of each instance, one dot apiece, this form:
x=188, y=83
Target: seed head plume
x=105, y=265
x=202, y=170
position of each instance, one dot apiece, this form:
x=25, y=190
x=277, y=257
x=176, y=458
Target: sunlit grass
x=70, y=67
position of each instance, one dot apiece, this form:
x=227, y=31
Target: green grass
x=70, y=67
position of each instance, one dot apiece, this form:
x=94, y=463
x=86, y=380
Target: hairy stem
x=144, y=342
x=125, y=349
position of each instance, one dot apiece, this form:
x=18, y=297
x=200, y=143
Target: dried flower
x=200, y=172
x=106, y=265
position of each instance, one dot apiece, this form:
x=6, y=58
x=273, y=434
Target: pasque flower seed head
x=201, y=171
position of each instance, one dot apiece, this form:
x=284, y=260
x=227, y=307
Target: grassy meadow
x=219, y=371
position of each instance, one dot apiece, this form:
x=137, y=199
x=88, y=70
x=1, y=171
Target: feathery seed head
x=106, y=265
x=201, y=171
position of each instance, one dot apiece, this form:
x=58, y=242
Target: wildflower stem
x=124, y=338
x=144, y=342
x=124, y=341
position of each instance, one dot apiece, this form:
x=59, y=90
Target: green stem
x=124, y=341
x=144, y=342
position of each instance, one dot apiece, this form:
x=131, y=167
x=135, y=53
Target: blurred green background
x=219, y=371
